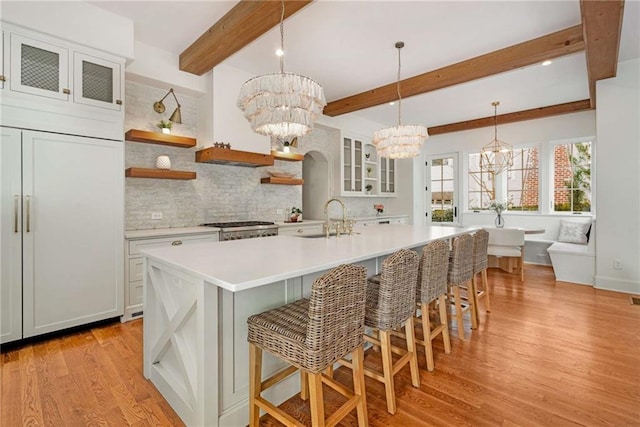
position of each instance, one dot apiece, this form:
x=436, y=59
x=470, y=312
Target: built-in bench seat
x=573, y=262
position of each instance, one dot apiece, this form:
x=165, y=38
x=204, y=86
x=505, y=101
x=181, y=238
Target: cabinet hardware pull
x=119, y=101
x=3, y=79
x=300, y=230
x=66, y=91
x=28, y=202
x=176, y=243
x=16, y=201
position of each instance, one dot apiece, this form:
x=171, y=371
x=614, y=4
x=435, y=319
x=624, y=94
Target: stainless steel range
x=244, y=229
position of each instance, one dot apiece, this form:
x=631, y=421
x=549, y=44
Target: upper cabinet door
x=39, y=68
x=96, y=82
x=2, y=61
x=387, y=176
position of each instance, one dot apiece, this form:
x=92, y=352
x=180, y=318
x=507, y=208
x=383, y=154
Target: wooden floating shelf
x=158, y=173
x=159, y=138
x=282, y=181
x=225, y=156
x=287, y=157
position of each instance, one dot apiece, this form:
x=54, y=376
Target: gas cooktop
x=234, y=224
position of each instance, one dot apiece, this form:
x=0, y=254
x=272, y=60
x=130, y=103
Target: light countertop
x=244, y=264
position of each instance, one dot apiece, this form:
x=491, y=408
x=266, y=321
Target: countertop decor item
x=158, y=106
x=497, y=155
x=163, y=162
x=402, y=141
x=379, y=209
x=165, y=126
x=296, y=215
x=283, y=105
x=498, y=207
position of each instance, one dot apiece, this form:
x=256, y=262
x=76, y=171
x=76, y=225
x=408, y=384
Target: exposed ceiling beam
x=602, y=27
x=248, y=20
x=534, y=113
x=564, y=42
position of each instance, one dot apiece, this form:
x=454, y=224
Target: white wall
x=618, y=179
x=534, y=132
x=74, y=21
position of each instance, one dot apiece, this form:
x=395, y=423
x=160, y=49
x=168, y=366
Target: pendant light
x=497, y=155
x=402, y=141
x=281, y=105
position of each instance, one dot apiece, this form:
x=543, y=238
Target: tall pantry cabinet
x=62, y=186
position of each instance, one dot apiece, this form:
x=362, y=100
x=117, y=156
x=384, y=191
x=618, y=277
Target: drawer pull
x=300, y=230
x=176, y=243
x=66, y=91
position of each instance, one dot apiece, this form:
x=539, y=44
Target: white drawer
x=135, y=293
x=301, y=231
x=136, y=245
x=135, y=269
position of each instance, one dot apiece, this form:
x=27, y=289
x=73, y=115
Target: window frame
x=551, y=176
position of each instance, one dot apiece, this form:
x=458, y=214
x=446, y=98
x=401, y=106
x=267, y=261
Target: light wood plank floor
x=548, y=354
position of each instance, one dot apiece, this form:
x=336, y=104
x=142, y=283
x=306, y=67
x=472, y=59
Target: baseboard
x=619, y=285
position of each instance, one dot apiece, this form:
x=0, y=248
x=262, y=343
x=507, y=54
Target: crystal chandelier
x=281, y=105
x=402, y=141
x=497, y=155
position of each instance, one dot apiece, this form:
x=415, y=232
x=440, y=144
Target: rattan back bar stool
x=390, y=304
x=480, y=264
x=432, y=287
x=460, y=276
x=312, y=334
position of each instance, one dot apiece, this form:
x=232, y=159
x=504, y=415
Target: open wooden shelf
x=287, y=157
x=282, y=181
x=226, y=156
x=158, y=173
x=159, y=138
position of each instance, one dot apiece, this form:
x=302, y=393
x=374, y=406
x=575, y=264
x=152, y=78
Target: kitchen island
x=198, y=297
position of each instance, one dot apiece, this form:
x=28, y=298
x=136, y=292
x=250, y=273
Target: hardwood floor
x=548, y=354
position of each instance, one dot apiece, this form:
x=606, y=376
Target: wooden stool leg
x=255, y=381
x=522, y=265
x=387, y=369
x=317, y=400
x=485, y=286
x=475, y=295
x=442, y=306
x=411, y=348
x=426, y=334
x=304, y=385
x=471, y=296
x=357, y=358
x=456, y=296
x=329, y=371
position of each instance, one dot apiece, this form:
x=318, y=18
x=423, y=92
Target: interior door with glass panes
x=442, y=189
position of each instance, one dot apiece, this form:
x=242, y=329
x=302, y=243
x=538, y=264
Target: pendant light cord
x=399, y=45
x=282, y=37
x=495, y=119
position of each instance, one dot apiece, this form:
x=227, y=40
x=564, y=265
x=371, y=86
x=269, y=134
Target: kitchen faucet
x=344, y=218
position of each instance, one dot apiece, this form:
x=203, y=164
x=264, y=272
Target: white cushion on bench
x=571, y=248
x=497, y=250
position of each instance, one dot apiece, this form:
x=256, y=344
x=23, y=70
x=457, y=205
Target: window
x=522, y=180
x=572, y=177
x=482, y=186
x=442, y=175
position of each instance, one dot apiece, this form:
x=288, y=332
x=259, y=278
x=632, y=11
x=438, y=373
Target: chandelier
x=402, y=141
x=497, y=155
x=281, y=105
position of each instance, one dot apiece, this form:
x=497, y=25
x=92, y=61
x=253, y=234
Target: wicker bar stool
x=480, y=264
x=432, y=286
x=312, y=334
x=460, y=276
x=390, y=304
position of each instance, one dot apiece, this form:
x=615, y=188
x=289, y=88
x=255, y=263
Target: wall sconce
x=159, y=107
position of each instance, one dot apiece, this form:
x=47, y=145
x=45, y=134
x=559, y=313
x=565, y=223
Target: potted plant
x=368, y=187
x=165, y=126
x=369, y=170
x=379, y=209
x=296, y=215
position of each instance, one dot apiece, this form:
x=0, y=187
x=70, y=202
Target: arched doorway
x=315, y=191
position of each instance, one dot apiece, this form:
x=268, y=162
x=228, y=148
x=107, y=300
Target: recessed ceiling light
x=392, y=103
x=545, y=63
x=279, y=52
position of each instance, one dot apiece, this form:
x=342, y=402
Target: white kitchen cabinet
x=351, y=160
x=2, y=76
x=133, y=292
x=62, y=226
x=387, y=177
x=381, y=220
x=96, y=82
x=300, y=229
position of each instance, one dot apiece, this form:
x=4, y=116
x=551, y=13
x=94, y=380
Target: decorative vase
x=166, y=131
x=163, y=162
x=499, y=221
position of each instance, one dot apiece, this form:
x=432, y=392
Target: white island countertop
x=238, y=265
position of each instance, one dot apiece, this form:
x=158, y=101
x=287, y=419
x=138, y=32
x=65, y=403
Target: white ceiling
x=348, y=47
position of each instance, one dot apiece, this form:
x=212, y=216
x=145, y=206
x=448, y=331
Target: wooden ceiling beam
x=534, y=113
x=602, y=28
x=560, y=43
x=248, y=20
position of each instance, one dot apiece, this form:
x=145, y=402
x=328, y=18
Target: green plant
x=295, y=210
x=368, y=187
x=165, y=125
x=442, y=215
